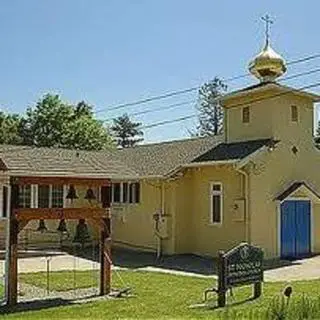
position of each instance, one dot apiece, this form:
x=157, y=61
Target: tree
x=126, y=132
x=210, y=117
x=87, y=133
x=47, y=123
x=54, y=123
x=10, y=125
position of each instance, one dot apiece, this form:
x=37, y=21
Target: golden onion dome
x=267, y=65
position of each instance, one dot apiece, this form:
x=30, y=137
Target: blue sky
x=109, y=52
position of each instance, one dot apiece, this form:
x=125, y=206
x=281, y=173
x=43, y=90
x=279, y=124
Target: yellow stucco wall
x=187, y=214
x=193, y=231
x=133, y=224
x=268, y=117
x=271, y=172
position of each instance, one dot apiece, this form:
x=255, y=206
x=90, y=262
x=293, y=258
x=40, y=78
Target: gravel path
x=29, y=292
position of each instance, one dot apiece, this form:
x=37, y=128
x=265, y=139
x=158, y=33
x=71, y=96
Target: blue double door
x=295, y=229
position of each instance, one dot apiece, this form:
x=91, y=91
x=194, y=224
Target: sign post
x=242, y=265
x=221, y=283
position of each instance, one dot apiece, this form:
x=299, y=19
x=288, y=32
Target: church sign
x=242, y=265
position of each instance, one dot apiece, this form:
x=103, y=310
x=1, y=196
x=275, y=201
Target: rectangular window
x=216, y=203
x=246, y=114
x=294, y=113
x=137, y=192
x=125, y=192
x=5, y=201
x=57, y=196
x=116, y=192
x=25, y=196
x=43, y=196
x=106, y=196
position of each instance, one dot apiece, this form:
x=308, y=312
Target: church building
x=258, y=182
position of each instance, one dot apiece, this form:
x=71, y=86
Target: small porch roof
x=296, y=186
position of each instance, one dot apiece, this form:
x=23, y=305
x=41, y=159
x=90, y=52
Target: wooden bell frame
x=19, y=217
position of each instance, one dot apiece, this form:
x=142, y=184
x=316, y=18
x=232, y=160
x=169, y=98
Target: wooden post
x=105, y=244
x=221, y=277
x=105, y=259
x=257, y=288
x=12, y=289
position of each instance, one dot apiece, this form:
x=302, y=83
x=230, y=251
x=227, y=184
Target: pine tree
x=210, y=117
x=126, y=132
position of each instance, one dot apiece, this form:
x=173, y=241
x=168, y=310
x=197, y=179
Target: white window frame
x=215, y=193
x=133, y=192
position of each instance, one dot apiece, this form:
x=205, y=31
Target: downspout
x=247, y=205
x=157, y=220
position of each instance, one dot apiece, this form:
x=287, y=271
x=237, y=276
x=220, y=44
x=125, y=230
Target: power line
x=156, y=124
x=167, y=122
x=187, y=90
x=172, y=106
x=308, y=58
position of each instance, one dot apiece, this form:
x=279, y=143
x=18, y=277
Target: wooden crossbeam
x=90, y=182
x=60, y=213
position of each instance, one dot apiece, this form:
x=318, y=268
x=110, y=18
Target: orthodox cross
x=268, y=22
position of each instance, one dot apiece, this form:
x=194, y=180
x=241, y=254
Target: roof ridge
x=172, y=141
x=18, y=148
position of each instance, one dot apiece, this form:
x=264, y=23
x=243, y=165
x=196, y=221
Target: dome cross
x=268, y=22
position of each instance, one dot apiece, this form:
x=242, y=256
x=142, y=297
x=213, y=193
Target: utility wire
x=187, y=90
x=170, y=106
x=173, y=106
x=156, y=124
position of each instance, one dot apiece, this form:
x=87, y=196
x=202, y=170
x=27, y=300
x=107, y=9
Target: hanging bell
x=42, y=227
x=62, y=227
x=72, y=194
x=82, y=233
x=90, y=195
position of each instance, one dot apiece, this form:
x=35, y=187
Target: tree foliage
x=126, y=132
x=10, y=127
x=210, y=112
x=54, y=123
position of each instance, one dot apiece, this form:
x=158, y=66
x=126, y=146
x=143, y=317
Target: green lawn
x=157, y=295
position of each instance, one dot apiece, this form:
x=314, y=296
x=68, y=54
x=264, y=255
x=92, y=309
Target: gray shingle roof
x=232, y=151
x=63, y=161
x=161, y=158
x=156, y=159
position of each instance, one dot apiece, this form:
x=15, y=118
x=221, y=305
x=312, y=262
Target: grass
x=165, y=296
